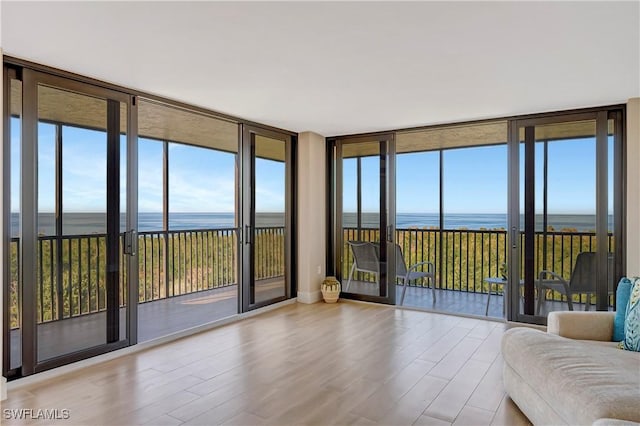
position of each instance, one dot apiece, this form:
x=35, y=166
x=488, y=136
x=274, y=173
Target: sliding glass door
x=267, y=221
x=188, y=221
x=365, y=217
x=74, y=248
x=506, y=218
x=565, y=213
x=215, y=226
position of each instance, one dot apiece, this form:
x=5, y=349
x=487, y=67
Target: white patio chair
x=582, y=280
x=365, y=259
x=406, y=275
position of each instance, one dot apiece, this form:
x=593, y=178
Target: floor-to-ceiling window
x=363, y=233
x=475, y=239
x=568, y=212
x=67, y=284
x=12, y=350
x=451, y=189
x=267, y=220
x=187, y=219
x=112, y=198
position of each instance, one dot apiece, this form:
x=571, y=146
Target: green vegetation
x=470, y=256
x=187, y=262
x=196, y=261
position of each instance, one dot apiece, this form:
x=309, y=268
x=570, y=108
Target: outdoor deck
x=155, y=319
x=454, y=301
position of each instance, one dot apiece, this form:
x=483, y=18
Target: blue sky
x=200, y=180
x=203, y=180
x=475, y=180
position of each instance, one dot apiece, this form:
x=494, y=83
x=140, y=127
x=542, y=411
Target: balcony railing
x=175, y=263
x=171, y=263
x=469, y=256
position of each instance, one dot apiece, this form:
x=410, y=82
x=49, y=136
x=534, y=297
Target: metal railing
x=170, y=263
x=71, y=276
x=463, y=258
x=269, y=259
x=175, y=263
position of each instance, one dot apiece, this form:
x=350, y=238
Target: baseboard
x=57, y=372
x=309, y=297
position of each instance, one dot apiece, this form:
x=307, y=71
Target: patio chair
x=582, y=281
x=406, y=275
x=365, y=259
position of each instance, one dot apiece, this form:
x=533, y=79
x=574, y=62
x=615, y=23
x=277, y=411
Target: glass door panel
x=266, y=217
x=72, y=228
x=188, y=247
x=614, y=224
x=365, y=219
x=77, y=302
x=566, y=213
x=12, y=297
x=269, y=219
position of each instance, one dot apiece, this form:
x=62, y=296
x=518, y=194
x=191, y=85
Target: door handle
x=513, y=237
x=131, y=242
x=390, y=233
x=247, y=234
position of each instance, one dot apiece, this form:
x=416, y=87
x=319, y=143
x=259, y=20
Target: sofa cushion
x=622, y=299
x=580, y=381
x=631, y=340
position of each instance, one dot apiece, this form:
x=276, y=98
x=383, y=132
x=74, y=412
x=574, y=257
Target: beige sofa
x=573, y=373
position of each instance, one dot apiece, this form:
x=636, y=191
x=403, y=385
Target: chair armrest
x=557, y=278
x=415, y=266
x=553, y=274
x=581, y=325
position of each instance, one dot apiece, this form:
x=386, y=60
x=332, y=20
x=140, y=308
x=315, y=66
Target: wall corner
x=311, y=215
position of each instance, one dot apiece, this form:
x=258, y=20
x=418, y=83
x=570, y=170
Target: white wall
x=633, y=187
x=311, y=204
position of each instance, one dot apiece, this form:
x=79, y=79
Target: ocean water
x=95, y=223
x=558, y=222
x=91, y=223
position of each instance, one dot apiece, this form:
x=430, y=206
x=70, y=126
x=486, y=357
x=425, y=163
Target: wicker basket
x=330, y=288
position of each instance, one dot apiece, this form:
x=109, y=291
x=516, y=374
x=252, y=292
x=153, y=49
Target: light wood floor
x=346, y=363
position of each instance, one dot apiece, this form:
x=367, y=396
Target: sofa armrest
x=582, y=325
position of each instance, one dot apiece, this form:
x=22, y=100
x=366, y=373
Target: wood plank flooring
x=346, y=363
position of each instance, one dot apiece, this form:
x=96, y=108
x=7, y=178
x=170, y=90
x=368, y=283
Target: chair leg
x=350, y=275
x=570, y=302
x=486, y=310
x=587, y=306
x=433, y=289
x=541, y=295
x=404, y=289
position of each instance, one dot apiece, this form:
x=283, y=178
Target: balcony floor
x=451, y=301
x=155, y=319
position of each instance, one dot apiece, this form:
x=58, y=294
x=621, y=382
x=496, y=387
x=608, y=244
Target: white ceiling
x=337, y=68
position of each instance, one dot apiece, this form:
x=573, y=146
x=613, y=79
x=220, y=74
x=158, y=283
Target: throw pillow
x=622, y=299
x=631, y=340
